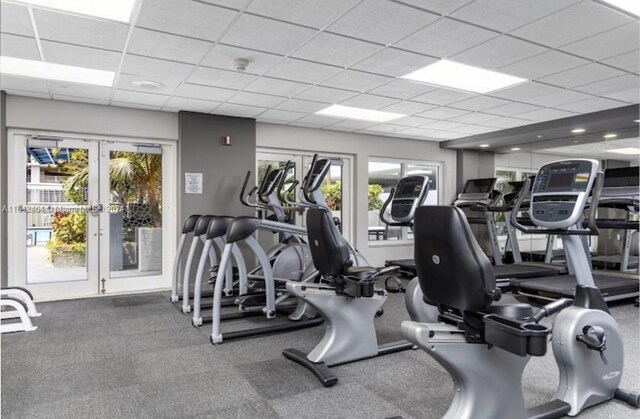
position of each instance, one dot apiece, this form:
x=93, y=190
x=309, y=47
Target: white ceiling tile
x=443, y=96
x=355, y=80
x=221, y=78
x=506, y=15
x=169, y=47
x=413, y=121
x=608, y=44
x=23, y=84
x=303, y=71
x=393, y=62
x=591, y=105
x=126, y=82
x=314, y=13
x=408, y=108
x=222, y=56
x=506, y=122
x=80, y=30
x=546, y=114
x=547, y=63
x=184, y=17
x=445, y=38
x=612, y=86
x=558, y=98
x=479, y=103
x=326, y=94
x=437, y=6
x=512, y=109
x=55, y=52
x=445, y=135
x=19, y=47
x=525, y=91
x=393, y=21
x=337, y=50
x=242, y=111
x=135, y=68
x=443, y=113
x=301, y=105
x=403, y=89
x=27, y=94
x=137, y=106
x=266, y=34
x=582, y=75
x=80, y=90
x=126, y=96
x=81, y=99
x=280, y=115
x=629, y=95
x=572, y=24
x=215, y=94
x=234, y=4
x=276, y=87
x=304, y=124
x=256, y=99
x=368, y=101
x=351, y=125
x=443, y=125
x=473, y=129
x=498, y=52
x=318, y=120
x=629, y=61
x=15, y=19
x=192, y=105
x=387, y=128
x=417, y=132
x=473, y=118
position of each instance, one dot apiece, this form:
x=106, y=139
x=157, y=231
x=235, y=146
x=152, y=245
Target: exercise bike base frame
x=266, y=330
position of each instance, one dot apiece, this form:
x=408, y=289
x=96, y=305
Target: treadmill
x=482, y=202
x=614, y=286
x=405, y=198
x=620, y=192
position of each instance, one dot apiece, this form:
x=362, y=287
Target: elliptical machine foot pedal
x=319, y=369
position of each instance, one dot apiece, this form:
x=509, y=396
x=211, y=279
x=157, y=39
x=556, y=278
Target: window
x=384, y=175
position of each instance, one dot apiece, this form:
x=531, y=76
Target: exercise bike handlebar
x=550, y=309
x=383, y=210
x=591, y=228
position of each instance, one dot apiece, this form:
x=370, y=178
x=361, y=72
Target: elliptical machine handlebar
x=244, y=195
x=591, y=228
x=283, y=179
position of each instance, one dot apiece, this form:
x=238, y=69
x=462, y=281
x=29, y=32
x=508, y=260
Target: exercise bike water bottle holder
x=520, y=338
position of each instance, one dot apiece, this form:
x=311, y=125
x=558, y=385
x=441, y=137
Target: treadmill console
x=410, y=194
x=319, y=173
x=560, y=192
x=476, y=191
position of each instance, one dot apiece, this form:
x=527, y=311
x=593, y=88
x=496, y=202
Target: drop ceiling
x=580, y=55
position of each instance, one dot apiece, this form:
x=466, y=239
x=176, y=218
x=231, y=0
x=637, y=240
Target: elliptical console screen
x=479, y=185
x=409, y=187
x=567, y=176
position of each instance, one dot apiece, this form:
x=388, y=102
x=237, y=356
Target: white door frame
x=16, y=222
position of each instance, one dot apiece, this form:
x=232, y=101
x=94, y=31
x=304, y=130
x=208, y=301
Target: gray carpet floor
x=137, y=356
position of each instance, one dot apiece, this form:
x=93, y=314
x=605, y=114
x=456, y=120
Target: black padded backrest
x=329, y=250
x=190, y=223
x=218, y=226
x=454, y=272
x=241, y=228
x=201, y=225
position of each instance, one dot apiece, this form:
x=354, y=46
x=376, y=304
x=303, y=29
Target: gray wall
x=3, y=189
x=472, y=164
x=223, y=167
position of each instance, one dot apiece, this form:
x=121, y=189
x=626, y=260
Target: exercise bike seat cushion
x=241, y=228
x=511, y=308
x=201, y=225
x=452, y=269
x=190, y=223
x=218, y=226
x=329, y=250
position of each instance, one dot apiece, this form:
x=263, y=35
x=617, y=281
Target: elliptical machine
x=479, y=341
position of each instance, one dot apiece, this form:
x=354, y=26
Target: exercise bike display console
x=406, y=198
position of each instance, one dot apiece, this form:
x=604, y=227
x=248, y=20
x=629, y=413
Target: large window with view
x=384, y=175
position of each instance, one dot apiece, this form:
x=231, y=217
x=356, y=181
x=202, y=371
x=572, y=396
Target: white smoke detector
x=240, y=64
x=147, y=84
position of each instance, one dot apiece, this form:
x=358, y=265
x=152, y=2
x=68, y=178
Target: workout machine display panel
x=270, y=182
x=474, y=186
x=559, y=192
x=622, y=177
x=319, y=172
x=410, y=194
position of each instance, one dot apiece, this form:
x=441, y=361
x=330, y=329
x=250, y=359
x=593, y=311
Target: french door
x=89, y=216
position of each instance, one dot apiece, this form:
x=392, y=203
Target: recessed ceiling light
x=454, y=75
x=515, y=149
x=632, y=6
x=610, y=135
x=338, y=111
x=636, y=120
x=60, y=72
x=626, y=150
x=484, y=145
x=578, y=130
x=119, y=10
x=146, y=84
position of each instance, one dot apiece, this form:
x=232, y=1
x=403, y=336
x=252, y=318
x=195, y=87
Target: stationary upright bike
x=485, y=344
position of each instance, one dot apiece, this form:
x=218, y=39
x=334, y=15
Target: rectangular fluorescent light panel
x=632, y=6
x=59, y=72
x=338, y=111
x=119, y=10
x=627, y=150
x=458, y=76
